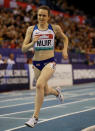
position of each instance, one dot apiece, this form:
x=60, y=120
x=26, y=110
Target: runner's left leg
x=45, y=75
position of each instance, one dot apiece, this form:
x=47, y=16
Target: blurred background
x=77, y=21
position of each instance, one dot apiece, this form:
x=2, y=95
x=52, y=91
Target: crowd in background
x=9, y=60
x=14, y=22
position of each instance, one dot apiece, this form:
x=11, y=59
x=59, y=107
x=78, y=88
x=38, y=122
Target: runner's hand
x=35, y=39
x=65, y=54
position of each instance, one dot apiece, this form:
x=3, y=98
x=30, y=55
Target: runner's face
x=43, y=16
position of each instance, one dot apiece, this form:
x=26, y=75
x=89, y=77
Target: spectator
x=11, y=59
x=1, y=61
x=75, y=25
x=89, y=61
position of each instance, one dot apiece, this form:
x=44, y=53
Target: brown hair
x=44, y=7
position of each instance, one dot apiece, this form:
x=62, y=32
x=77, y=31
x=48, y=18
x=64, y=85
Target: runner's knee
x=39, y=85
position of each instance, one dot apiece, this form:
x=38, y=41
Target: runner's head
x=43, y=14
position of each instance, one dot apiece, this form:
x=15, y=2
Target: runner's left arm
x=64, y=38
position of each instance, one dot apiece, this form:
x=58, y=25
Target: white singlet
x=46, y=39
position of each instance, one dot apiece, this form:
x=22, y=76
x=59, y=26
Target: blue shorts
x=40, y=64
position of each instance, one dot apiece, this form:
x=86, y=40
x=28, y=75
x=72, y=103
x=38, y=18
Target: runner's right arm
x=26, y=45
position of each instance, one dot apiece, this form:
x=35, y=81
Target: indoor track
x=76, y=113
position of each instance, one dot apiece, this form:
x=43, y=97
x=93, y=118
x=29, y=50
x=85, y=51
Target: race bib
x=45, y=42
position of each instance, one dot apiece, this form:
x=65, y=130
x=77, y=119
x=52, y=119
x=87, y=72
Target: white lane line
x=90, y=128
x=65, y=96
x=70, y=93
x=15, y=94
x=18, y=118
x=16, y=105
x=49, y=99
x=16, y=128
x=14, y=118
x=32, y=94
x=27, y=110
x=14, y=99
x=54, y=118
x=59, y=105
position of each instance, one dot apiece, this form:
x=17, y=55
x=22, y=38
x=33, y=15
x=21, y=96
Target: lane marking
x=16, y=99
x=68, y=96
x=82, y=86
x=90, y=128
x=14, y=118
x=18, y=118
x=32, y=95
x=49, y=99
x=53, y=118
x=59, y=105
x=15, y=94
x=16, y=105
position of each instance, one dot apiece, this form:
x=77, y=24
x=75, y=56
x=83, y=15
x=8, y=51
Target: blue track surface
x=76, y=113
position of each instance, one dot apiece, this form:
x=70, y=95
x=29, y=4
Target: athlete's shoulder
x=30, y=29
x=56, y=27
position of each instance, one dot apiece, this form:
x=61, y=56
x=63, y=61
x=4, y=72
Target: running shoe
x=60, y=95
x=32, y=122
